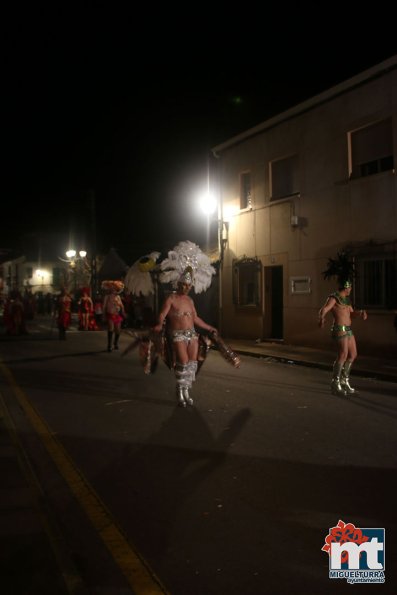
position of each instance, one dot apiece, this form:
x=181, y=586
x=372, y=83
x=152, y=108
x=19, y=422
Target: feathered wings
x=138, y=279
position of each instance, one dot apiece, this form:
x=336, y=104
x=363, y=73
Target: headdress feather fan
x=187, y=254
x=113, y=285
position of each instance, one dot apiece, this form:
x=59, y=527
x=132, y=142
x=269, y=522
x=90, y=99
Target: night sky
x=105, y=133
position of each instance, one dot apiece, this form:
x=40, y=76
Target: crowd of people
x=114, y=308
x=18, y=309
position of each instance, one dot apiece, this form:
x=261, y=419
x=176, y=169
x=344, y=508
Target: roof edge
x=358, y=79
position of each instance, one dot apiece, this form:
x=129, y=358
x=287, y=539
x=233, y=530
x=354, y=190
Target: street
x=233, y=495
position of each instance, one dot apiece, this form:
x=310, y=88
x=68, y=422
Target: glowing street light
x=78, y=265
x=208, y=204
x=71, y=254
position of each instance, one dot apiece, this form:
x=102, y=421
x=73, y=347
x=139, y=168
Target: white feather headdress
x=186, y=254
x=138, y=279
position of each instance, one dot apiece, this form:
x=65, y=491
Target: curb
x=310, y=364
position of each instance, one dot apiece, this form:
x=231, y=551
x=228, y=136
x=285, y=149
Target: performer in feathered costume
x=138, y=279
x=185, y=267
x=186, y=254
x=113, y=311
x=342, y=310
x=174, y=339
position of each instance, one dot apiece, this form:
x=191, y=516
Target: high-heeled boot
x=191, y=368
x=336, y=387
x=344, y=380
x=182, y=384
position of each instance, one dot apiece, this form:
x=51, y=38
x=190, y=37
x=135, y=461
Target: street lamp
x=209, y=205
x=78, y=263
x=71, y=254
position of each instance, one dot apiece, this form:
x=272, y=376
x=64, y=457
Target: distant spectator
x=64, y=313
x=98, y=309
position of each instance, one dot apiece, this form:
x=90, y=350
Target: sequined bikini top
x=180, y=313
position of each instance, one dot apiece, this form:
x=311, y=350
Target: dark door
x=273, y=327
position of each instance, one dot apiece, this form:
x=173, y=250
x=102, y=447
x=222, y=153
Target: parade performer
x=14, y=314
x=342, y=310
x=185, y=267
x=174, y=339
x=86, y=309
x=64, y=313
x=113, y=311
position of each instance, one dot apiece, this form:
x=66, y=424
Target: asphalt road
x=234, y=495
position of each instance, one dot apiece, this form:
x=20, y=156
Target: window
x=29, y=272
x=247, y=282
x=372, y=149
x=245, y=191
x=284, y=175
x=376, y=283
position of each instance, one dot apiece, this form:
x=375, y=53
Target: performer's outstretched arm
x=162, y=316
x=200, y=323
x=329, y=304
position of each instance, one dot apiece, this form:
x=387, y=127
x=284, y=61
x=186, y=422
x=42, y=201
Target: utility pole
x=92, y=199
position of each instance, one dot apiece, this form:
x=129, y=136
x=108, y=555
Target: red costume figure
x=14, y=315
x=86, y=309
x=64, y=311
x=113, y=311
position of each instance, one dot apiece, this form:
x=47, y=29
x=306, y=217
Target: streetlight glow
x=208, y=204
x=71, y=253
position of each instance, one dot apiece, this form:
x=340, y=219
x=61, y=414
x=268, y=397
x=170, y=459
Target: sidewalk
x=370, y=367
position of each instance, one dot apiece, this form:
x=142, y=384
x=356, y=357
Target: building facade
x=311, y=183
x=20, y=274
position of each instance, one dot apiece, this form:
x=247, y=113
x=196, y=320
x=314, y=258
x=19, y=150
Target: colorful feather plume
x=187, y=254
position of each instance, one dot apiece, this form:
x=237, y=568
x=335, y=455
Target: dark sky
x=94, y=115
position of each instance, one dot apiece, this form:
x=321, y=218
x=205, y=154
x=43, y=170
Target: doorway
x=274, y=307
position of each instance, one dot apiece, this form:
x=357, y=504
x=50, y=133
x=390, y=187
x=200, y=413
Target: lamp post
x=209, y=205
x=78, y=261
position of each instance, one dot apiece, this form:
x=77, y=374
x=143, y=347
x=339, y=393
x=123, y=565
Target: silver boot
x=180, y=397
x=186, y=396
x=336, y=386
x=192, y=368
x=345, y=379
x=182, y=376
